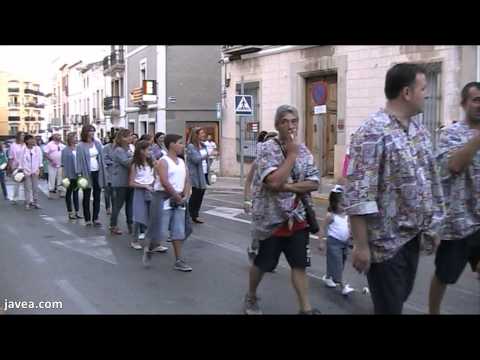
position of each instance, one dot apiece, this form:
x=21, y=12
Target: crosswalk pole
x=241, y=138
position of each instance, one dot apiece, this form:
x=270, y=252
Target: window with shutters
x=432, y=114
x=143, y=71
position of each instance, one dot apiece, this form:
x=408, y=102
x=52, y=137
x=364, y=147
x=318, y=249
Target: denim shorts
x=173, y=220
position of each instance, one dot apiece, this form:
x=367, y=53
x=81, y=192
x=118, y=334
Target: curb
x=318, y=199
x=237, y=189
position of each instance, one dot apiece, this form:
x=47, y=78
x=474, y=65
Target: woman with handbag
x=91, y=165
x=197, y=163
x=68, y=164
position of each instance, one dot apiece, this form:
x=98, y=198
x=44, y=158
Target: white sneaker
x=136, y=246
x=141, y=236
x=160, y=249
x=329, y=282
x=347, y=289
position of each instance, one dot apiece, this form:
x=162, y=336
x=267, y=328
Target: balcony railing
x=33, y=92
x=114, y=61
x=85, y=119
x=13, y=104
x=13, y=89
x=34, y=105
x=30, y=118
x=41, y=118
x=237, y=50
x=111, y=103
x=14, y=118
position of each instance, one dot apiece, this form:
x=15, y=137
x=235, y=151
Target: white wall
x=360, y=93
x=161, y=88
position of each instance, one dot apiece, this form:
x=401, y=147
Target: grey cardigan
x=68, y=163
x=83, y=162
x=121, y=159
x=195, y=168
x=107, y=155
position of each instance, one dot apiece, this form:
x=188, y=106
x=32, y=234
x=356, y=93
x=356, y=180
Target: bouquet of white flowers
x=82, y=182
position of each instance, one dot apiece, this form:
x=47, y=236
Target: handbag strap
x=302, y=197
x=294, y=177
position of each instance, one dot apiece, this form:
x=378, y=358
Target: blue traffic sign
x=243, y=104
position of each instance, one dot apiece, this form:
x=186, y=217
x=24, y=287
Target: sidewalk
x=232, y=184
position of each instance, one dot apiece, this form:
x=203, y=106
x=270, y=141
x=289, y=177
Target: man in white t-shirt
x=53, y=153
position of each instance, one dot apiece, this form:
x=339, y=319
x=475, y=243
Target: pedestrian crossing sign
x=243, y=104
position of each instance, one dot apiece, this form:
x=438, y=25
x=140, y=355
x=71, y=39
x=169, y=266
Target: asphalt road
x=46, y=257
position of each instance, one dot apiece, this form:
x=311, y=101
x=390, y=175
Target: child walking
x=141, y=179
x=338, y=236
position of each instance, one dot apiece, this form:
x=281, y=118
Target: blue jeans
x=336, y=257
x=173, y=221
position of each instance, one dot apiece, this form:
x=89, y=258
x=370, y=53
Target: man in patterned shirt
x=394, y=196
x=278, y=216
x=459, y=160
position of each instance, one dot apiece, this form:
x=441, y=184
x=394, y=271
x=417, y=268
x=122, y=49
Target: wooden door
x=320, y=128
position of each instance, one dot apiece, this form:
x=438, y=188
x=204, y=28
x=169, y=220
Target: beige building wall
x=3, y=104
x=361, y=74
x=22, y=111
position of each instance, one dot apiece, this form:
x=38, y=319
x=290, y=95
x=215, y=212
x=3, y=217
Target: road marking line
x=58, y=226
x=213, y=212
x=465, y=291
x=96, y=247
x=10, y=229
x=33, y=253
x=244, y=251
x=77, y=297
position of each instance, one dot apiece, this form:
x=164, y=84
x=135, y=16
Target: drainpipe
x=478, y=63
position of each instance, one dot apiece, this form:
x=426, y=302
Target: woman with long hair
x=158, y=148
x=122, y=193
x=91, y=165
x=68, y=164
x=197, y=163
x=141, y=179
x=108, y=192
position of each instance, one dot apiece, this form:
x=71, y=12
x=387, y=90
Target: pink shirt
x=15, y=153
x=54, y=152
x=31, y=160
